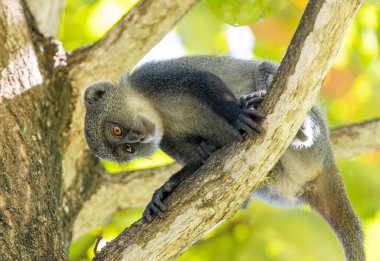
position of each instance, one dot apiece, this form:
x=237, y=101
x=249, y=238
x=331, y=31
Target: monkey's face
x=119, y=126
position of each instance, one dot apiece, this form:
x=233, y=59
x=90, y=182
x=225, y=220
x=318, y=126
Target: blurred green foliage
x=350, y=93
x=85, y=21
x=201, y=39
x=244, y=12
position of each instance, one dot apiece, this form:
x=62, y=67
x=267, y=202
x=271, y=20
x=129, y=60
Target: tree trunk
x=33, y=117
x=43, y=183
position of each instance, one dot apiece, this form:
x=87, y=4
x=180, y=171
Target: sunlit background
x=351, y=93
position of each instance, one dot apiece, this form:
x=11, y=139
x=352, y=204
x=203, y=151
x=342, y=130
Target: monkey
x=189, y=107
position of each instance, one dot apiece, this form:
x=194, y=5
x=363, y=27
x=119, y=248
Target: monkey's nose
x=147, y=138
x=134, y=136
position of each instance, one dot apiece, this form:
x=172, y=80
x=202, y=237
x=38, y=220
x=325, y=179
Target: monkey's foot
x=252, y=100
x=156, y=206
x=247, y=123
x=205, y=150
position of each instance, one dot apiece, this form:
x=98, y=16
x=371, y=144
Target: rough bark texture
x=47, y=175
x=33, y=114
x=221, y=186
x=352, y=140
x=47, y=15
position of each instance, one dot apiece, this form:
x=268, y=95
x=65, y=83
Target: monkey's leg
x=327, y=195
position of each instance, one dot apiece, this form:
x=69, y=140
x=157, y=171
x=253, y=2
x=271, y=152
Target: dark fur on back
x=184, y=80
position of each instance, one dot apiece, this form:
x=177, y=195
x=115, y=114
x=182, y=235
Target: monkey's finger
x=207, y=148
x=157, y=211
x=253, y=102
x=247, y=129
x=244, y=128
x=237, y=135
x=253, y=113
x=168, y=188
x=250, y=123
x=202, y=154
x=147, y=216
x=243, y=101
x=251, y=98
x=157, y=202
x=159, y=194
x=203, y=145
x=259, y=94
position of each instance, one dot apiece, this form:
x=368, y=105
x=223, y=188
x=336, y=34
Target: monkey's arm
x=155, y=206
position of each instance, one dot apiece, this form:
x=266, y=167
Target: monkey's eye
x=116, y=131
x=128, y=148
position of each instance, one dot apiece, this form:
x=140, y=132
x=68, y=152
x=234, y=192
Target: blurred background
x=263, y=29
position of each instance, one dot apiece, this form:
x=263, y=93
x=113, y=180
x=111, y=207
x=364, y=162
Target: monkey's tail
x=328, y=196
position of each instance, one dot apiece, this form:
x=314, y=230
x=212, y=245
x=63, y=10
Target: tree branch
x=355, y=139
x=129, y=40
x=218, y=190
x=17, y=51
x=49, y=16
x=32, y=76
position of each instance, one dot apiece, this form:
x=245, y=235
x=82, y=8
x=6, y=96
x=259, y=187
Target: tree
x=50, y=183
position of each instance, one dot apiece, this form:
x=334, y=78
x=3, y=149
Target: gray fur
x=122, y=106
x=183, y=118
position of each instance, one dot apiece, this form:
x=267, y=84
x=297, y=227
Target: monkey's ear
x=124, y=79
x=95, y=92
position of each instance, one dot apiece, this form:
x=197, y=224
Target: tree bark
x=219, y=188
x=360, y=138
x=32, y=120
x=48, y=17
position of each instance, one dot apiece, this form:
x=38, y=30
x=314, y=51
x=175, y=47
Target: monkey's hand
x=205, y=150
x=247, y=122
x=155, y=206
